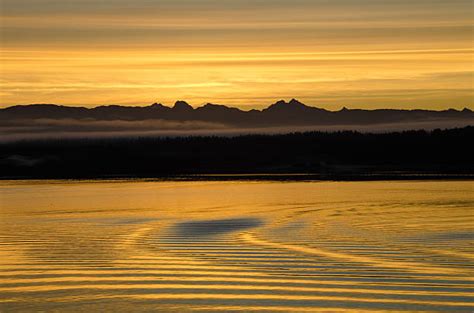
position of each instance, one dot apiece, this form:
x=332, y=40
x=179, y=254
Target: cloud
x=87, y=52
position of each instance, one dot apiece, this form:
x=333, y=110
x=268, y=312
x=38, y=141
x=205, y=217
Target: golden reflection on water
x=236, y=246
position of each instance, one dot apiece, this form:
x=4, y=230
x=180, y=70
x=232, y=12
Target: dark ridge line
x=281, y=113
x=183, y=105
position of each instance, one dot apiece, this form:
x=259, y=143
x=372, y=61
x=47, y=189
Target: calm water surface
x=236, y=246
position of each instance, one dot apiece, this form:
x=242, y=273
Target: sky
x=245, y=53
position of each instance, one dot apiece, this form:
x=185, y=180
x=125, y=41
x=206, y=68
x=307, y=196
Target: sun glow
x=342, y=53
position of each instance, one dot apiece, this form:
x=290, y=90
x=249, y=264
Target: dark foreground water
x=133, y=246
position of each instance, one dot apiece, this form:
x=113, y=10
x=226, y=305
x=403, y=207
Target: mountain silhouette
x=281, y=113
x=182, y=106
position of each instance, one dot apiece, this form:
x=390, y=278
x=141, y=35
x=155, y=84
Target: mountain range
x=281, y=113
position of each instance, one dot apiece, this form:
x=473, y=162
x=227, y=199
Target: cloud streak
x=93, y=52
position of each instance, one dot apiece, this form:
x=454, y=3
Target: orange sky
x=359, y=54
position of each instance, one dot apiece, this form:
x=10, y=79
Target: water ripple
x=237, y=247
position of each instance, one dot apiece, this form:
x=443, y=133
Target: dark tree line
x=336, y=154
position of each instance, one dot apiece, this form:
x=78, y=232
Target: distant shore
x=259, y=177
x=348, y=155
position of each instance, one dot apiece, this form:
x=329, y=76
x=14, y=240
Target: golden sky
x=245, y=53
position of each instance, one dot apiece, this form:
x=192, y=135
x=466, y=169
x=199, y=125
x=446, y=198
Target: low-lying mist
x=24, y=129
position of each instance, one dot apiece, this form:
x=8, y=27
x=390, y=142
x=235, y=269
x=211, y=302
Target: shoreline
x=290, y=177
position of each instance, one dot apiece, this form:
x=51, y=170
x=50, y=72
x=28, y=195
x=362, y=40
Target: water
x=236, y=246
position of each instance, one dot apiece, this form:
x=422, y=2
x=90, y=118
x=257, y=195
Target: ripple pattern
x=136, y=246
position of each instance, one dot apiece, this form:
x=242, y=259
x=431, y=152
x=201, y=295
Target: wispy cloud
x=119, y=51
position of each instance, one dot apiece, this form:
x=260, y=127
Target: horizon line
x=194, y=107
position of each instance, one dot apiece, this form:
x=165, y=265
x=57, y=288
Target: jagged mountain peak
x=215, y=106
x=157, y=105
x=291, y=105
x=279, y=102
x=182, y=106
x=296, y=102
